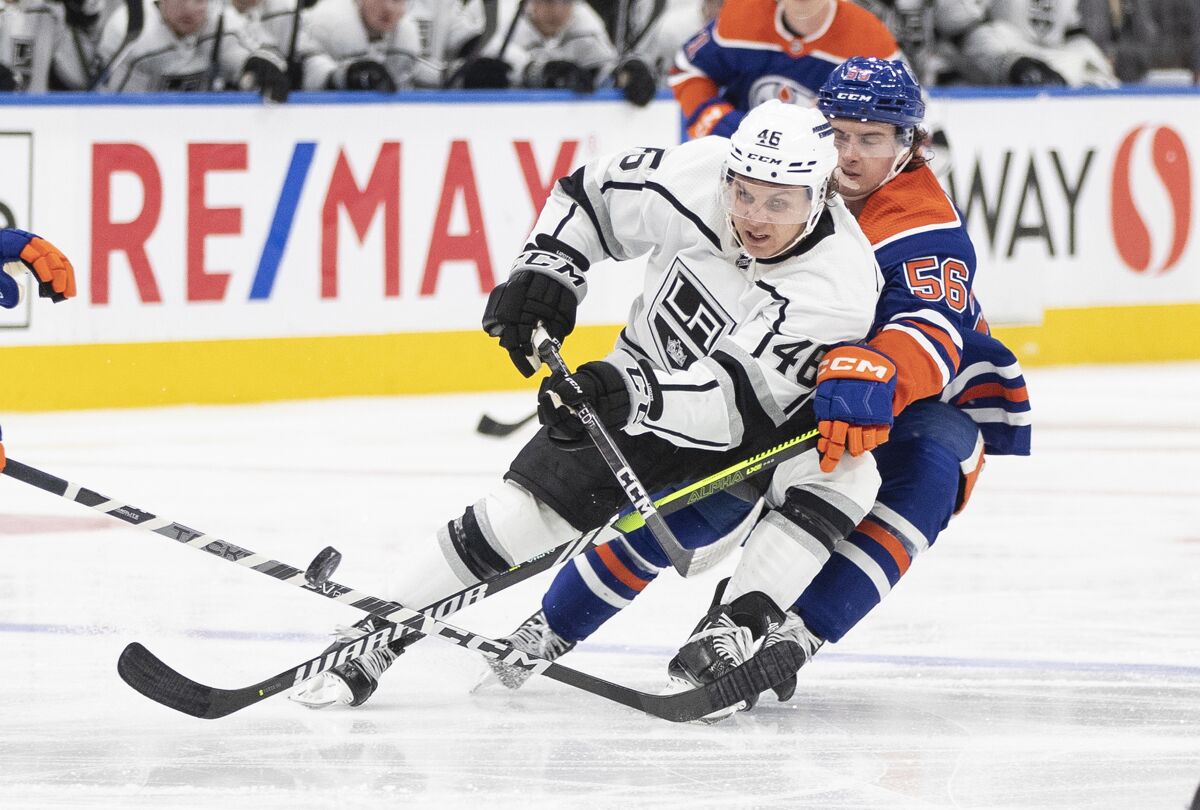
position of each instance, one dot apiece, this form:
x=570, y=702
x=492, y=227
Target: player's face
x=184, y=17
x=767, y=217
x=549, y=17
x=866, y=153
x=381, y=16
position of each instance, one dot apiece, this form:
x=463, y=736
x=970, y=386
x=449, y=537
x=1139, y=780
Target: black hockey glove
x=598, y=383
x=363, y=75
x=486, y=73
x=518, y=305
x=562, y=75
x=265, y=76
x=621, y=393
x=636, y=82
x=1030, y=71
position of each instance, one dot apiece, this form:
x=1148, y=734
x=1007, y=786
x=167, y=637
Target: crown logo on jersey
x=858, y=75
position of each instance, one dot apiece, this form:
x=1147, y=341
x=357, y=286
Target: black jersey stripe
x=662, y=191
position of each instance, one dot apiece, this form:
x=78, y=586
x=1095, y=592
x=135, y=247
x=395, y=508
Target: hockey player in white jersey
x=754, y=268
x=372, y=43
x=277, y=25
x=552, y=43
x=187, y=46
x=448, y=30
x=1055, y=32
x=45, y=45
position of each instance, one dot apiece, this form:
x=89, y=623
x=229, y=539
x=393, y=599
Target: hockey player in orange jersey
x=21, y=250
x=762, y=49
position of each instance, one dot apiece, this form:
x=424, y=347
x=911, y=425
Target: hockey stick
x=146, y=673
x=492, y=427
x=142, y=670
x=680, y=557
x=135, y=19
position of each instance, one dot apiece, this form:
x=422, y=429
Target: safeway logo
x=1151, y=199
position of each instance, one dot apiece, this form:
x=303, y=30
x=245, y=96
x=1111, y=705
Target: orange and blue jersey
x=928, y=321
x=748, y=55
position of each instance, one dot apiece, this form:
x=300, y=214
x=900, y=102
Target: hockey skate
x=716, y=646
x=351, y=683
x=533, y=636
x=791, y=628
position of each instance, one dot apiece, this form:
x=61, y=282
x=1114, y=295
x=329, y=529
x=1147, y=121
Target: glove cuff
x=555, y=265
x=645, y=394
x=856, y=361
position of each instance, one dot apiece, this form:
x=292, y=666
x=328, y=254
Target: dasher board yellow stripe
x=1133, y=334
x=120, y=375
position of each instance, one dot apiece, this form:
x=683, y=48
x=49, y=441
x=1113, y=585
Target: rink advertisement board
x=235, y=251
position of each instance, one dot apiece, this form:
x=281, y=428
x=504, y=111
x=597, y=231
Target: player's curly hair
x=921, y=156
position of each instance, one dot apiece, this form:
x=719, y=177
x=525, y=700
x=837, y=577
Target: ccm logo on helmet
x=763, y=158
x=843, y=96
x=858, y=366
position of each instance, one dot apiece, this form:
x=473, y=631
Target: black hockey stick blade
x=146, y=673
x=491, y=427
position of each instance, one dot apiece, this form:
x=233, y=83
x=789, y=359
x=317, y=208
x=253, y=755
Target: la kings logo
x=686, y=318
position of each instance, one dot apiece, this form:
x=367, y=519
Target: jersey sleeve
x=605, y=209
x=926, y=306
x=702, y=67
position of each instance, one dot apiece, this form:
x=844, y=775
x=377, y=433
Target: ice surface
x=1046, y=653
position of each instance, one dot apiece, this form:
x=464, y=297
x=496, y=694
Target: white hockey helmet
x=786, y=145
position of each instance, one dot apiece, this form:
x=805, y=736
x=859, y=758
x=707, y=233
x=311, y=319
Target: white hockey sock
x=507, y=527
x=780, y=559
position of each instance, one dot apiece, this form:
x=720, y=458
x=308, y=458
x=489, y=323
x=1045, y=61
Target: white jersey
x=675, y=27
x=724, y=333
x=35, y=40
x=160, y=60
x=1054, y=28
x=444, y=28
x=583, y=41
x=271, y=23
x=338, y=30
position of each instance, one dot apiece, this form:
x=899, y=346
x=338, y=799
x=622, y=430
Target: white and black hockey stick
x=680, y=557
x=147, y=673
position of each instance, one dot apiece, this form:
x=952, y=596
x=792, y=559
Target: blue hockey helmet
x=866, y=88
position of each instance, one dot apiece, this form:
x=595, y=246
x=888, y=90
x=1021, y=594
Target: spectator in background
x=1139, y=37
x=278, y=25
x=373, y=45
x=47, y=45
x=1052, y=32
x=675, y=27
x=187, y=46
x=555, y=43
x=449, y=31
x=757, y=50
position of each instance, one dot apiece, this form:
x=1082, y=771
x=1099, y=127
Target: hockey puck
x=323, y=566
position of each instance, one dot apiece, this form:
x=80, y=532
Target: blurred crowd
x=278, y=46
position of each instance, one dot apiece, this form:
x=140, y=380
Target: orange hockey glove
x=55, y=275
x=853, y=402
